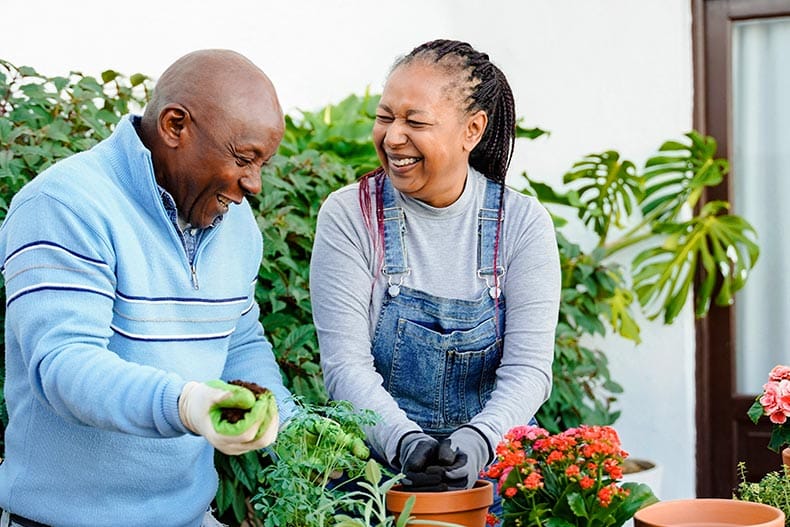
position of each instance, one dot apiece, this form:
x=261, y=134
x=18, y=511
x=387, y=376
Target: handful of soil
x=248, y=404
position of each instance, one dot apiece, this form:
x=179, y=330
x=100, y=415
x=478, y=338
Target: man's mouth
x=224, y=203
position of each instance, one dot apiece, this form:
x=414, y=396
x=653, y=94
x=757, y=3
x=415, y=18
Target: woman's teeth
x=404, y=162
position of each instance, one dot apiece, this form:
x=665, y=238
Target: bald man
x=130, y=275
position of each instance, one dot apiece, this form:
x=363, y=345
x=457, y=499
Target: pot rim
x=478, y=497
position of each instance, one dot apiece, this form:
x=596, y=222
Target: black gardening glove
x=417, y=456
x=463, y=455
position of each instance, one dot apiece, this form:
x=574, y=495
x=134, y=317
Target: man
x=130, y=276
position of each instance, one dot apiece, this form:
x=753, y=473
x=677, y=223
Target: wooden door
x=725, y=435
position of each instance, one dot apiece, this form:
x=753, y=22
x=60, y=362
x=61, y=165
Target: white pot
x=648, y=473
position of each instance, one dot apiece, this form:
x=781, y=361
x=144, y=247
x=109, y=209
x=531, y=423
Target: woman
x=435, y=288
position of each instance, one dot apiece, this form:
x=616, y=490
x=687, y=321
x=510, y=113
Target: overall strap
x=395, y=261
x=488, y=223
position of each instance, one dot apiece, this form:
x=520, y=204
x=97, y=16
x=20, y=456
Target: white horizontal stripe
x=185, y=302
x=188, y=336
x=58, y=249
x=50, y=285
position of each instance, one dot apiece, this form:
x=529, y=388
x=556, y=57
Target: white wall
x=599, y=74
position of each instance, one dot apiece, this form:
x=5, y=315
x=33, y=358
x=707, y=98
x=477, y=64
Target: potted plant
x=566, y=479
x=774, y=402
x=773, y=489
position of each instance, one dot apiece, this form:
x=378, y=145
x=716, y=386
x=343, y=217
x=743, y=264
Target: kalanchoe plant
x=774, y=402
x=569, y=479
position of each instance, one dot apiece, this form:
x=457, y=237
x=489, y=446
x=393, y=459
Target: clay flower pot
x=463, y=507
x=709, y=512
x=786, y=457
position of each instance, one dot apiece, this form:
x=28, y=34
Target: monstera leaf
x=720, y=245
x=608, y=187
x=678, y=174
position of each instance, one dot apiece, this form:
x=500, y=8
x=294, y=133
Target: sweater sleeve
x=531, y=288
x=342, y=271
x=250, y=357
x=60, y=286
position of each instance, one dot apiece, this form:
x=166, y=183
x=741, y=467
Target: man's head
x=212, y=122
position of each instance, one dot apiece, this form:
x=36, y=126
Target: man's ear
x=173, y=120
x=475, y=127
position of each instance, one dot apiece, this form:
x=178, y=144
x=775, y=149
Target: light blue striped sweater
x=103, y=328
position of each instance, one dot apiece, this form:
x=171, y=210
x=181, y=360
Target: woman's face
x=422, y=136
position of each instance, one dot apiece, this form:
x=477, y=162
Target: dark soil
x=233, y=415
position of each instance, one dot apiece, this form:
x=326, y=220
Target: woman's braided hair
x=481, y=85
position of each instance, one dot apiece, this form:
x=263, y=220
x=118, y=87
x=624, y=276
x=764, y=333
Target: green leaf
x=577, y=505
x=755, y=411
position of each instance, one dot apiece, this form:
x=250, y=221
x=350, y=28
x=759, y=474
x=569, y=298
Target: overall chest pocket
x=443, y=379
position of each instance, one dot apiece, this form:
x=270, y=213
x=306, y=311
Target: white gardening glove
x=195, y=406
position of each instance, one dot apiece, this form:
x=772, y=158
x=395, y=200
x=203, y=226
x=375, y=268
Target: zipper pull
x=194, y=276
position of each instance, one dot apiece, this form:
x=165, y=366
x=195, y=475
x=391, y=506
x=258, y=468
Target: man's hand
x=199, y=406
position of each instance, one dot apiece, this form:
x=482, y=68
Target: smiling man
x=130, y=275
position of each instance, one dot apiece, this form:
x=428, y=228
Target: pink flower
x=779, y=372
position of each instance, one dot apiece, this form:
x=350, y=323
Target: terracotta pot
x=709, y=512
x=786, y=457
x=463, y=507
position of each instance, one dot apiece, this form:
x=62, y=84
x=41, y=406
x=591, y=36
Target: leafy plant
x=317, y=461
x=651, y=210
x=773, y=489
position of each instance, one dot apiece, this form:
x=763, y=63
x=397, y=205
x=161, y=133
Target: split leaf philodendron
x=243, y=409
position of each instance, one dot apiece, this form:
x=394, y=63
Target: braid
x=482, y=86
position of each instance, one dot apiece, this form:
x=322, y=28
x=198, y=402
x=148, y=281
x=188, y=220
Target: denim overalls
x=439, y=356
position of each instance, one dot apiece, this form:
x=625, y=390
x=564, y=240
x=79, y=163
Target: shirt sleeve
x=531, y=288
x=342, y=273
x=60, y=286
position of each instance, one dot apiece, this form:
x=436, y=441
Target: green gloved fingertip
x=240, y=397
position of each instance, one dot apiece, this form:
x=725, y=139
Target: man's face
x=221, y=160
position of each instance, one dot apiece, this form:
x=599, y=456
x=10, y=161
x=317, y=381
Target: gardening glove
x=200, y=406
x=463, y=455
x=417, y=456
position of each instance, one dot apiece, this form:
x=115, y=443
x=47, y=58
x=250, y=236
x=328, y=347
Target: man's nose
x=250, y=182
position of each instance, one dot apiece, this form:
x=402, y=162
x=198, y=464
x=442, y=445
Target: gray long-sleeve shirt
x=347, y=289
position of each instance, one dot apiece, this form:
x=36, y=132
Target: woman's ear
x=173, y=120
x=475, y=127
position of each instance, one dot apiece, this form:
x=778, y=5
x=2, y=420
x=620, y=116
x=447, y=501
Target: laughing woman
x=435, y=288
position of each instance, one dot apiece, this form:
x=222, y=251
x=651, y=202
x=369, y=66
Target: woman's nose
x=395, y=135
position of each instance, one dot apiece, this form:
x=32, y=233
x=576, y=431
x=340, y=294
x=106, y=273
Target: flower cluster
x=571, y=476
x=775, y=403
